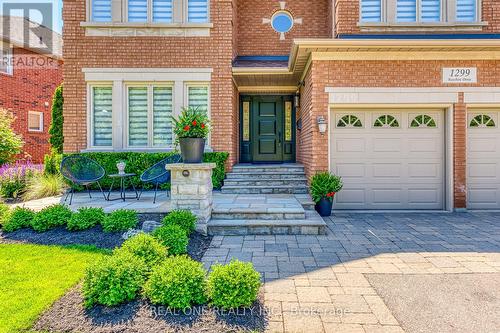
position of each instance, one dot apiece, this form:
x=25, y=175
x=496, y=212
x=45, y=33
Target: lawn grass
x=32, y=277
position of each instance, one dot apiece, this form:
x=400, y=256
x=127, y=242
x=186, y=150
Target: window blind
x=198, y=98
x=138, y=116
x=137, y=10
x=162, y=116
x=430, y=10
x=162, y=11
x=102, y=116
x=406, y=11
x=371, y=10
x=198, y=11
x=466, y=10
x=101, y=10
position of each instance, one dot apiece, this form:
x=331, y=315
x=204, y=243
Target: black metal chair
x=158, y=175
x=83, y=171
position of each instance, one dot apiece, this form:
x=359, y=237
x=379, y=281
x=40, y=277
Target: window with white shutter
x=466, y=10
x=430, y=10
x=162, y=116
x=102, y=120
x=137, y=10
x=162, y=11
x=138, y=116
x=6, y=65
x=198, y=97
x=406, y=11
x=371, y=10
x=101, y=10
x=197, y=11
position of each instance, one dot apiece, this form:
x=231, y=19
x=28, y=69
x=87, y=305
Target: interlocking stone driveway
x=318, y=283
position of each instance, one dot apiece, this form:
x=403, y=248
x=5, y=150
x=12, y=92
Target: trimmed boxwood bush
x=183, y=218
x=4, y=213
x=179, y=283
x=85, y=218
x=145, y=247
x=18, y=218
x=234, y=285
x=138, y=162
x=51, y=217
x=114, y=280
x=173, y=237
x=120, y=220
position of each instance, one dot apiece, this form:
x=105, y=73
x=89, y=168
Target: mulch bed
x=68, y=315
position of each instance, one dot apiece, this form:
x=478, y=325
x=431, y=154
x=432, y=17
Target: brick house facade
x=27, y=88
x=409, y=96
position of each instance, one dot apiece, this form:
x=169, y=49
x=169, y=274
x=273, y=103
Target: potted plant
x=324, y=186
x=191, y=130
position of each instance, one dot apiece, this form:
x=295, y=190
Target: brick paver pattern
x=317, y=283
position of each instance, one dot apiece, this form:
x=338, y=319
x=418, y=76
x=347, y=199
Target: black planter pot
x=192, y=149
x=324, y=207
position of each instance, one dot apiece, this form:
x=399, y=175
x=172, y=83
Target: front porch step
x=266, y=175
x=258, y=168
x=264, y=189
x=313, y=224
x=265, y=182
x=268, y=214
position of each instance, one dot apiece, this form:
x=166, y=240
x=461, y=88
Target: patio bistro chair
x=158, y=175
x=83, y=171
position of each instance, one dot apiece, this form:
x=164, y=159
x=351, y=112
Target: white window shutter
x=102, y=116
x=406, y=11
x=466, y=10
x=101, y=11
x=137, y=10
x=371, y=11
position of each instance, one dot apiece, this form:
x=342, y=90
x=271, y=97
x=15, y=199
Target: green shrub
x=43, y=185
x=183, y=218
x=56, y=126
x=179, y=283
x=234, y=285
x=51, y=217
x=18, y=218
x=15, y=177
x=85, y=218
x=10, y=142
x=325, y=185
x=4, y=213
x=173, y=237
x=145, y=247
x=138, y=162
x=120, y=220
x=114, y=280
x=52, y=163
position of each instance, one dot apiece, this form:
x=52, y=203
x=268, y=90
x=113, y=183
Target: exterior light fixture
x=296, y=100
x=322, y=125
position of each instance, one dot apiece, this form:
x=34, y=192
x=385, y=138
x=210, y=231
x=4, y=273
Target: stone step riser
x=283, y=182
x=269, y=169
x=270, y=190
x=266, y=230
x=279, y=176
x=257, y=216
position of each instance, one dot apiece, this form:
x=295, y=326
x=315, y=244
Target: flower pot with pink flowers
x=192, y=129
x=324, y=187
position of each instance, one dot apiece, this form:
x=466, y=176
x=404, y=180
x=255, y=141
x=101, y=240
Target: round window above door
x=282, y=21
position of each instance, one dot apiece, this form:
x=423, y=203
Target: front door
x=267, y=129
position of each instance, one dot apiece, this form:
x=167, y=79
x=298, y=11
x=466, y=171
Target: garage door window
x=349, y=120
x=482, y=120
x=386, y=121
x=423, y=120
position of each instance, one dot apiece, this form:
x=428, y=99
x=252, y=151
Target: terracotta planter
x=192, y=149
x=324, y=207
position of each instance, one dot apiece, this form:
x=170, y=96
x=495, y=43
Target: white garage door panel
x=483, y=159
x=388, y=167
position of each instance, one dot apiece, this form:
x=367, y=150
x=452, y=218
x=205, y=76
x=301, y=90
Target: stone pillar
x=192, y=189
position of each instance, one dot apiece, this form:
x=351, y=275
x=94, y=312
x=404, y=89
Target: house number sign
x=460, y=75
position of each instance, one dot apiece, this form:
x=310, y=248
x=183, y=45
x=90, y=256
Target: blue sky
x=56, y=5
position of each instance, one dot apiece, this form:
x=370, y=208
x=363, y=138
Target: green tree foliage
x=10, y=142
x=56, y=127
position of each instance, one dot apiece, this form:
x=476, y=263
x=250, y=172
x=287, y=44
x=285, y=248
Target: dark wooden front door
x=267, y=125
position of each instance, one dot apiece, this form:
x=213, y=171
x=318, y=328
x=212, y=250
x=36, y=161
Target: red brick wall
x=28, y=90
x=215, y=51
x=347, y=16
x=322, y=74
x=256, y=38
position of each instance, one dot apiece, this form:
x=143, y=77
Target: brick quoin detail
x=28, y=90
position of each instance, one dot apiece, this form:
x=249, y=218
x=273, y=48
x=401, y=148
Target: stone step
x=269, y=168
x=266, y=175
x=313, y=224
x=265, y=181
x=264, y=189
x=291, y=213
x=306, y=201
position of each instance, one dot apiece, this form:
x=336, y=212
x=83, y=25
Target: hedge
x=138, y=162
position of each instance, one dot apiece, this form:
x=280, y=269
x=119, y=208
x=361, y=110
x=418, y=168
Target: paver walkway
x=318, y=283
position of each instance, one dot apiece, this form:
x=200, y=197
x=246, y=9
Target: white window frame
x=149, y=86
x=90, y=115
x=8, y=56
x=40, y=121
x=150, y=13
x=448, y=16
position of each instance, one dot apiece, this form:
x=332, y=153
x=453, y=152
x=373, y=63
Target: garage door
x=389, y=159
x=483, y=160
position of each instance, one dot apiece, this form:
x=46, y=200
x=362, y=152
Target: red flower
x=187, y=128
x=195, y=123
x=202, y=125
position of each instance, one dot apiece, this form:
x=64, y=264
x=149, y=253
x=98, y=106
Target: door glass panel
x=246, y=121
x=288, y=121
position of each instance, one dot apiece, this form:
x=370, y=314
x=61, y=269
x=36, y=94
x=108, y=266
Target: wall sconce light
x=296, y=100
x=322, y=125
